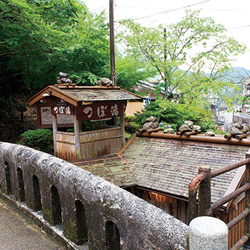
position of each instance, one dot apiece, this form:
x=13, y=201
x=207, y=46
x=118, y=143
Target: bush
x=174, y=114
x=40, y=139
x=133, y=127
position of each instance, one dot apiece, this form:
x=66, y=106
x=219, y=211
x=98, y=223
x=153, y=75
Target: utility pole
x=112, y=43
x=165, y=61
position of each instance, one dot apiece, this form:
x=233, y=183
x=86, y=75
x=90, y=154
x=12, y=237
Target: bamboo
x=200, y=138
x=240, y=137
x=228, y=137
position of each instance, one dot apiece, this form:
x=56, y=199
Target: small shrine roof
x=75, y=95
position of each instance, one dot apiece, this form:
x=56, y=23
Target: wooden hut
x=66, y=106
x=159, y=167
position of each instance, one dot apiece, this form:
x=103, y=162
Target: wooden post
x=192, y=205
x=77, y=137
x=204, y=198
x=122, y=127
x=38, y=118
x=247, y=195
x=54, y=124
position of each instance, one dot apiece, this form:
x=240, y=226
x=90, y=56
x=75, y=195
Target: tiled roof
x=169, y=165
x=101, y=94
x=110, y=167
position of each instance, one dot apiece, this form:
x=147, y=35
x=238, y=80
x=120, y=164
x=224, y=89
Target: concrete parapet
x=208, y=233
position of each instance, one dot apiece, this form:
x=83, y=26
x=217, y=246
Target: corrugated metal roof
x=101, y=94
x=169, y=165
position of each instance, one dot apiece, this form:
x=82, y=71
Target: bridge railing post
x=208, y=233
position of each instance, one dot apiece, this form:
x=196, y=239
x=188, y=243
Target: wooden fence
x=92, y=143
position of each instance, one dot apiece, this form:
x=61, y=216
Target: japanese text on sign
x=100, y=111
x=62, y=110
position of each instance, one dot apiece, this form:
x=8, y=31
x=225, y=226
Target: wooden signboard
x=46, y=117
x=99, y=111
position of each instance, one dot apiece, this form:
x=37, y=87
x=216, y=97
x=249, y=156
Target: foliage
x=130, y=70
x=196, y=45
x=38, y=39
x=40, y=139
x=174, y=115
x=244, y=100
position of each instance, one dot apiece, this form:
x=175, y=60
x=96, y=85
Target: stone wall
x=88, y=207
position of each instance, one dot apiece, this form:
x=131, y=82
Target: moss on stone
x=69, y=230
x=48, y=216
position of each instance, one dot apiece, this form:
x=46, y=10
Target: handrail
x=241, y=242
x=230, y=167
x=227, y=198
x=237, y=219
x=204, y=202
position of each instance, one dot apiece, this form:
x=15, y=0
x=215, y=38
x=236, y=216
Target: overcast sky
x=234, y=15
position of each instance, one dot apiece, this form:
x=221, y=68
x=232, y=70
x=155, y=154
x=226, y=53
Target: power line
x=240, y=27
x=104, y=6
x=184, y=7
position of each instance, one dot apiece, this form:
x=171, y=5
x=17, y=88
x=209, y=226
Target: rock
x=196, y=128
x=151, y=119
x=185, y=128
x=147, y=125
x=105, y=82
x=245, y=128
x=169, y=131
x=189, y=124
x=238, y=125
x=150, y=125
x=63, y=75
x=235, y=131
x=209, y=133
x=155, y=125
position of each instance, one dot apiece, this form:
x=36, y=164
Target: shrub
x=133, y=127
x=174, y=114
x=40, y=139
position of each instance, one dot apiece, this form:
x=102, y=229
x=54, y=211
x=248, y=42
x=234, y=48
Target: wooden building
x=159, y=168
x=67, y=106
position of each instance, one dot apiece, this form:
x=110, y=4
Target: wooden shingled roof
x=76, y=95
x=168, y=165
x=110, y=167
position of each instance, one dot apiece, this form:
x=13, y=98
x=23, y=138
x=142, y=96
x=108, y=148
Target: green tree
x=40, y=38
x=130, y=70
x=196, y=44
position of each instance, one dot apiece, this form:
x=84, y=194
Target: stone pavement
x=18, y=232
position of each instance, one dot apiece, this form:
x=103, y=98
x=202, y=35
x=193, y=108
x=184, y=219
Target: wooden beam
x=77, y=137
x=54, y=124
x=122, y=125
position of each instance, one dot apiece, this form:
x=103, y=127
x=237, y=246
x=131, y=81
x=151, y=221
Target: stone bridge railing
x=89, y=208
